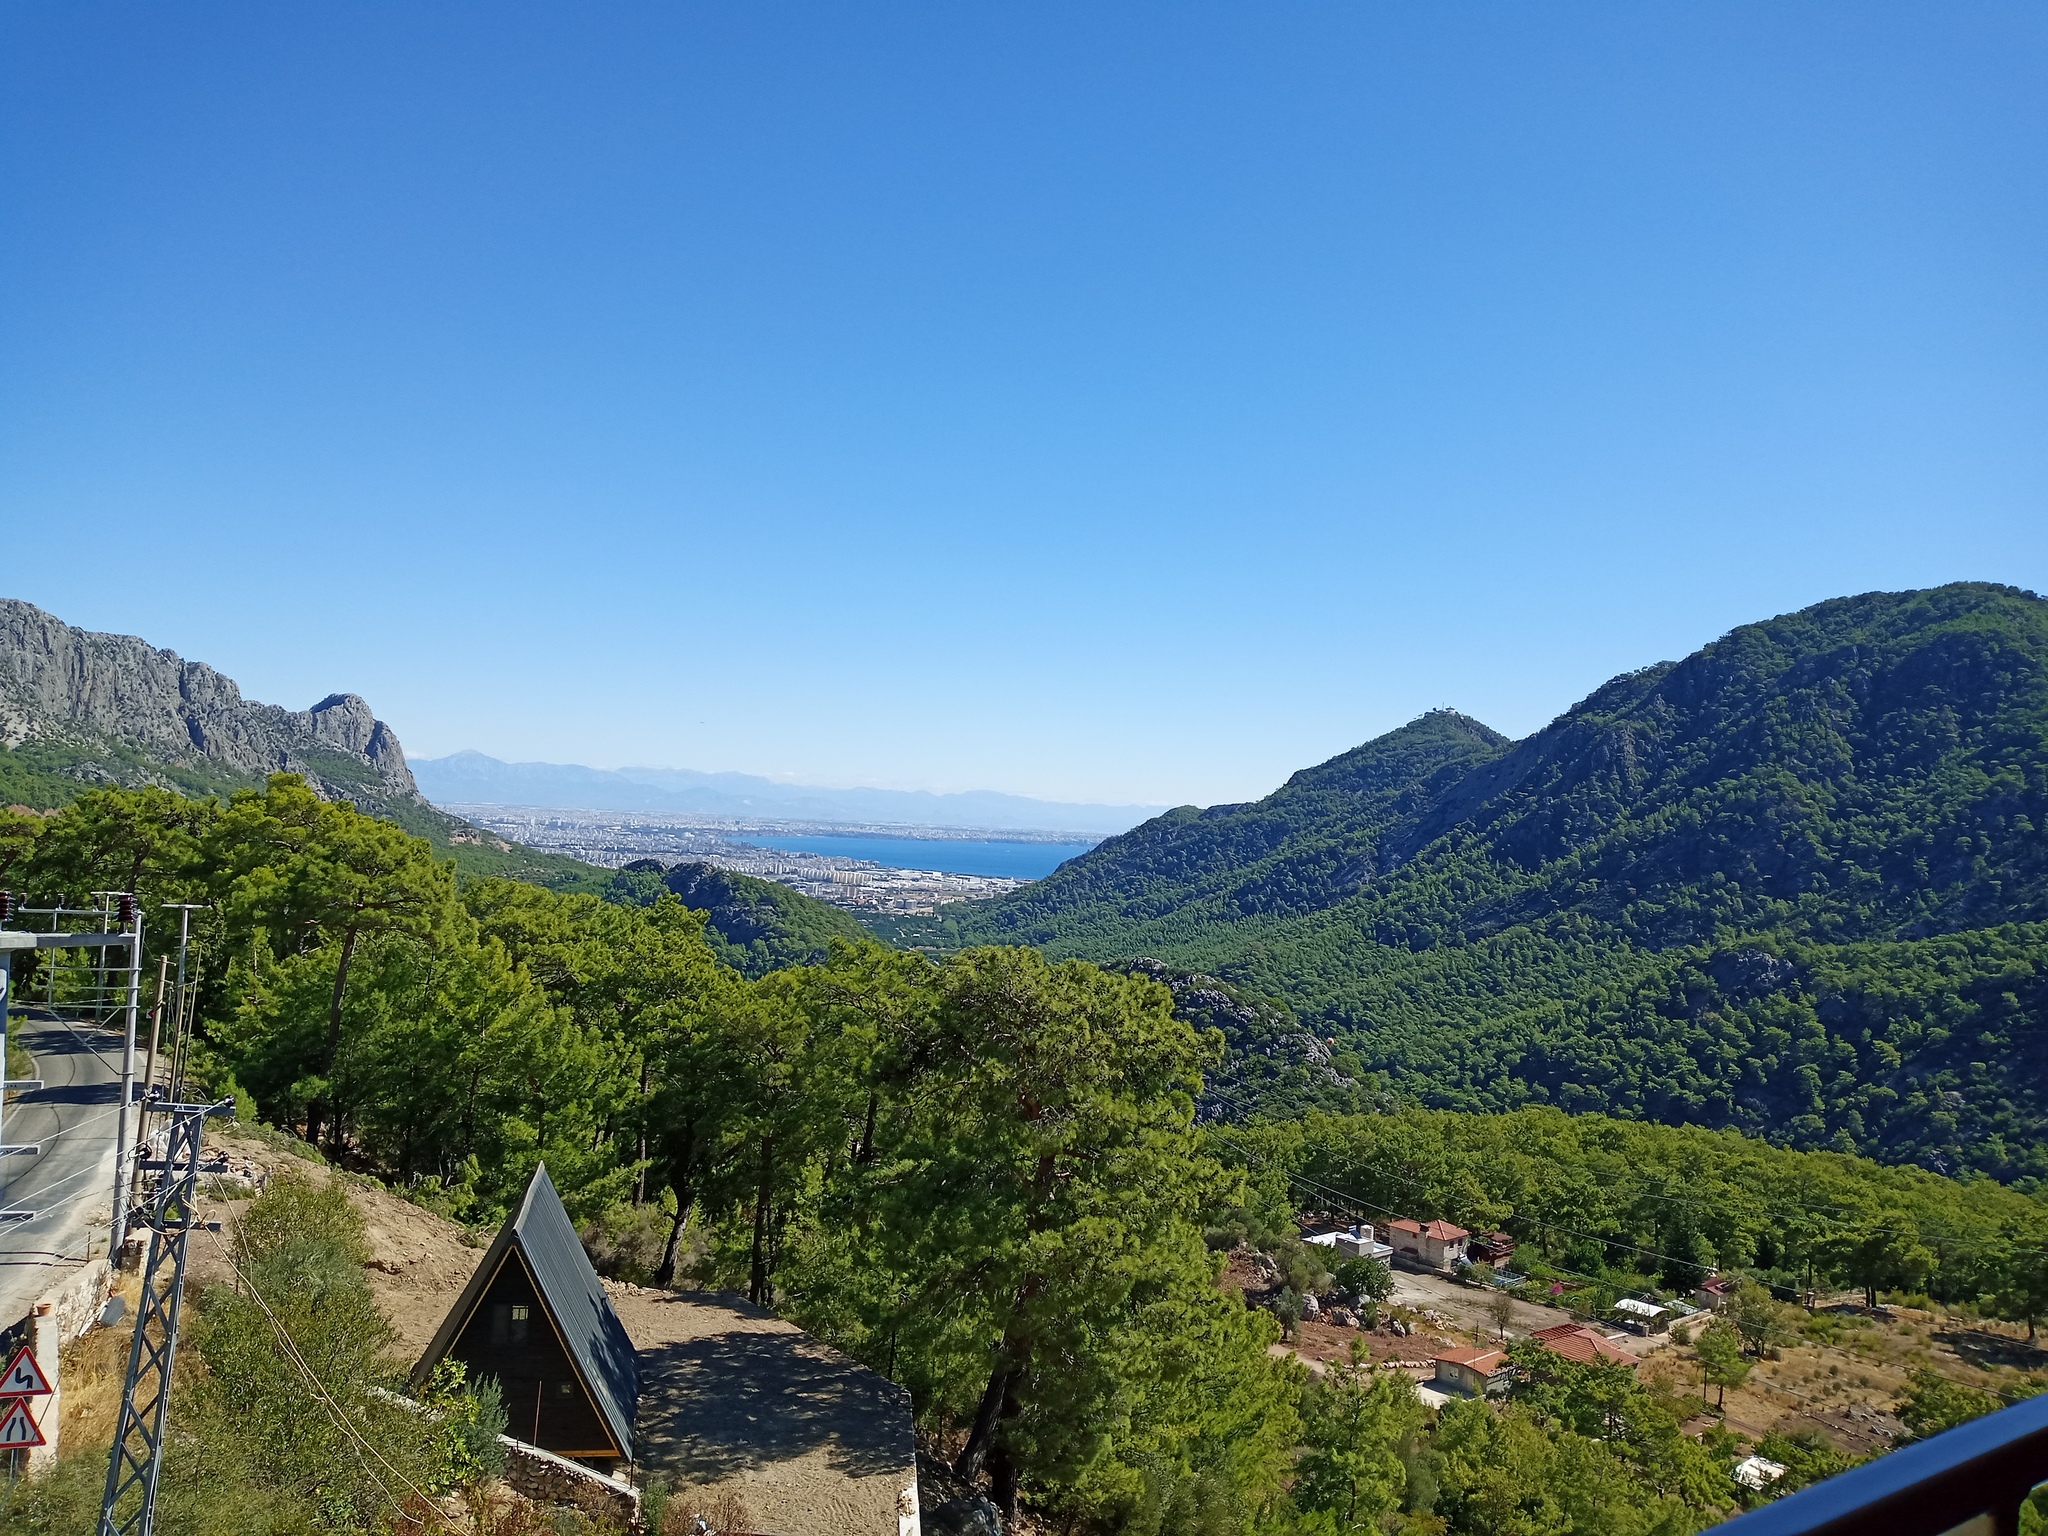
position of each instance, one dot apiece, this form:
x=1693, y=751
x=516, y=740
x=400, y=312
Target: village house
x=1713, y=1292
x=1496, y=1248
x=1474, y=1372
x=1575, y=1341
x=1429, y=1244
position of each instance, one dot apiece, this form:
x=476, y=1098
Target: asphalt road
x=69, y=1184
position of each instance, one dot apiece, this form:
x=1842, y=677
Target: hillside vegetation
x=1796, y=884
x=982, y=1176
x=1621, y=1206
x=48, y=776
x=755, y=926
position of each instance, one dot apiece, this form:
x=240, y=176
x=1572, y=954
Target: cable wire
x=327, y=1401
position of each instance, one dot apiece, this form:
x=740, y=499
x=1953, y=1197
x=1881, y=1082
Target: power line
x=326, y=1398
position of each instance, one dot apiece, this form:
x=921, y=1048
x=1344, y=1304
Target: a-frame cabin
x=535, y=1317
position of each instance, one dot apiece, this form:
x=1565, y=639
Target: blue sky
x=1129, y=403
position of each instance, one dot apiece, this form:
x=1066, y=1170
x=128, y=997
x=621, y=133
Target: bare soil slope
x=738, y=1408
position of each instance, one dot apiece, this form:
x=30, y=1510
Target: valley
x=1729, y=983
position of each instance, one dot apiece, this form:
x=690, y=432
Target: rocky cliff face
x=115, y=709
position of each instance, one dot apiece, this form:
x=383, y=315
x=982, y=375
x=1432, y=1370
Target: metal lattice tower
x=146, y=1395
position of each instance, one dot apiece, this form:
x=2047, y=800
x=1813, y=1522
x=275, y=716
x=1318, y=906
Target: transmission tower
x=146, y=1394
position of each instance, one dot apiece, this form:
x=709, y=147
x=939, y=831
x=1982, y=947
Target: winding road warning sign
x=24, y=1378
x=18, y=1431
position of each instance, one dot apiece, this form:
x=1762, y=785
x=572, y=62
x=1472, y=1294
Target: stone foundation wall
x=542, y=1474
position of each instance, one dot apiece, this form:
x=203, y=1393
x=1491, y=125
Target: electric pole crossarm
x=113, y=938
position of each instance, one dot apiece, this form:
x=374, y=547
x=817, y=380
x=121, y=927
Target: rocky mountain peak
x=115, y=709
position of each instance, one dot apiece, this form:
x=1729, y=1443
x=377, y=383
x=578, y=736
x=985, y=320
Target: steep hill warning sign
x=24, y=1378
x=18, y=1431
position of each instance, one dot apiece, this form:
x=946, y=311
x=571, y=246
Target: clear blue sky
x=1129, y=402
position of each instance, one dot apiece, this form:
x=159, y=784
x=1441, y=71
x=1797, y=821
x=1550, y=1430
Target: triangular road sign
x=24, y=1378
x=18, y=1431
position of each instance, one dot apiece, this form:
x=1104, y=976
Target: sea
x=954, y=856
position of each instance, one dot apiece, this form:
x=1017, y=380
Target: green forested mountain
x=981, y=1175
x=45, y=777
x=754, y=926
x=1794, y=884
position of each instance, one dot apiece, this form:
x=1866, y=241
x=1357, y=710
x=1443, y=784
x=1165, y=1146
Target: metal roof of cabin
x=596, y=1339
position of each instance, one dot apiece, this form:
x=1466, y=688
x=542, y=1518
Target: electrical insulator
x=127, y=910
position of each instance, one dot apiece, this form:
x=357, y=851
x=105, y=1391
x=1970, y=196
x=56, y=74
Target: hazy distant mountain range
x=471, y=778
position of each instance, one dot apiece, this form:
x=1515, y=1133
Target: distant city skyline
x=1123, y=405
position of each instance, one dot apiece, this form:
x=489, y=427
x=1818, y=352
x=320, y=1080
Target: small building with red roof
x=1494, y=1248
x=1575, y=1341
x=1474, y=1372
x=1713, y=1292
x=1431, y=1244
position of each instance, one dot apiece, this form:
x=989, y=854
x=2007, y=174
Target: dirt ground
x=1470, y=1306
x=746, y=1413
x=419, y=1262
x=735, y=1402
x=1847, y=1388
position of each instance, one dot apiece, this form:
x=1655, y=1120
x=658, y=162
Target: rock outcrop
x=113, y=709
x=1271, y=1062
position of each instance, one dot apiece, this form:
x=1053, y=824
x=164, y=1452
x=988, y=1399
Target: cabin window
x=509, y=1322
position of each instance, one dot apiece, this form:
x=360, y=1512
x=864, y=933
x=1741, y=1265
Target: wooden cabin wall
x=546, y=1402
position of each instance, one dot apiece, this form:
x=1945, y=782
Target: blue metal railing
x=1986, y=1467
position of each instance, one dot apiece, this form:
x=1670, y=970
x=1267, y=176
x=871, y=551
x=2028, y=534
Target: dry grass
x=93, y=1370
x=723, y=1509
x=1846, y=1385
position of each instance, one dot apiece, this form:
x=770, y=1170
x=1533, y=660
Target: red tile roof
x=1577, y=1342
x=1484, y=1361
x=1442, y=1231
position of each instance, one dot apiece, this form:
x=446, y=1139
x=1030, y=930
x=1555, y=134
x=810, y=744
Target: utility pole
x=187, y=1023
x=9, y=943
x=106, y=902
x=156, y=1025
x=181, y=1008
x=146, y=1393
x=131, y=921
